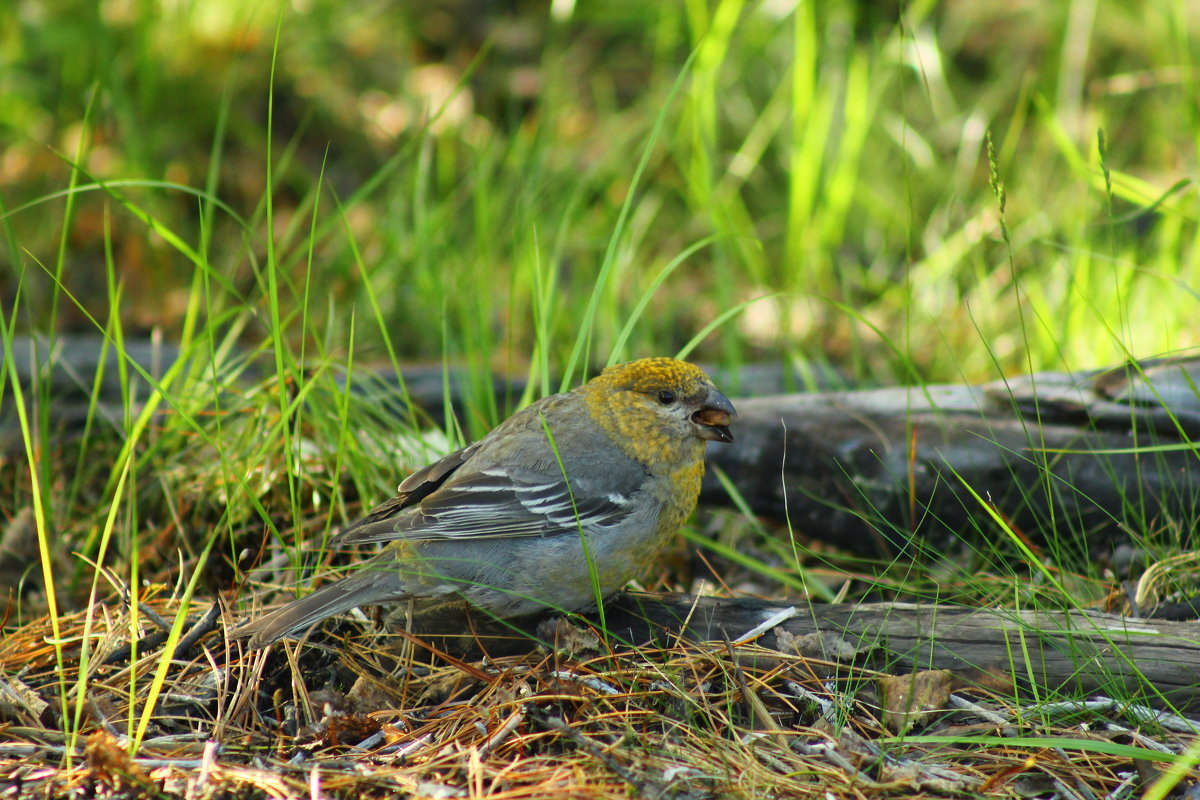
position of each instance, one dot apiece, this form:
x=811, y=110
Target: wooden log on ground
x=1155, y=662
x=1071, y=456
x=1118, y=656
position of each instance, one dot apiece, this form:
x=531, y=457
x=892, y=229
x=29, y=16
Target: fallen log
x=1093, y=455
x=1154, y=660
x=1005, y=651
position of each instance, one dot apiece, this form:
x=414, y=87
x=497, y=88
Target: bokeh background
x=492, y=183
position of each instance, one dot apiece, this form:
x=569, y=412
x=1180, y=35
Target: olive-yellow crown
x=650, y=375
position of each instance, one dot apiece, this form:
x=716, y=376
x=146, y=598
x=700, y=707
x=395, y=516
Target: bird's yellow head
x=660, y=405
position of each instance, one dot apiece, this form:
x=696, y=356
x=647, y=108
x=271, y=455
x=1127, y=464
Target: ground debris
x=372, y=715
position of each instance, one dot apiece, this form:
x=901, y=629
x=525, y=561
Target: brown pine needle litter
x=369, y=715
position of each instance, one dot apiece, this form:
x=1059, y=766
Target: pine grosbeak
x=509, y=523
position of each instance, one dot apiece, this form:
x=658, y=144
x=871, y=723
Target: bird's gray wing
x=501, y=502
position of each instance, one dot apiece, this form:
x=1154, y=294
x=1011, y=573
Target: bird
x=559, y=506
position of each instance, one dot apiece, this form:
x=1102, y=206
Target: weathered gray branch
x=1099, y=453
x=1154, y=661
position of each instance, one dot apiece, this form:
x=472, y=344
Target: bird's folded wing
x=496, y=503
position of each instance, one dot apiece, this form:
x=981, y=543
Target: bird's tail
x=369, y=585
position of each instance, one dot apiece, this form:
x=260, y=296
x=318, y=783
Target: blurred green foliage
x=472, y=158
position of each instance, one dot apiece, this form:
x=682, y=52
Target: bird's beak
x=713, y=418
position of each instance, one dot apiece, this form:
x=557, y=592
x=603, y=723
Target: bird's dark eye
x=666, y=397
